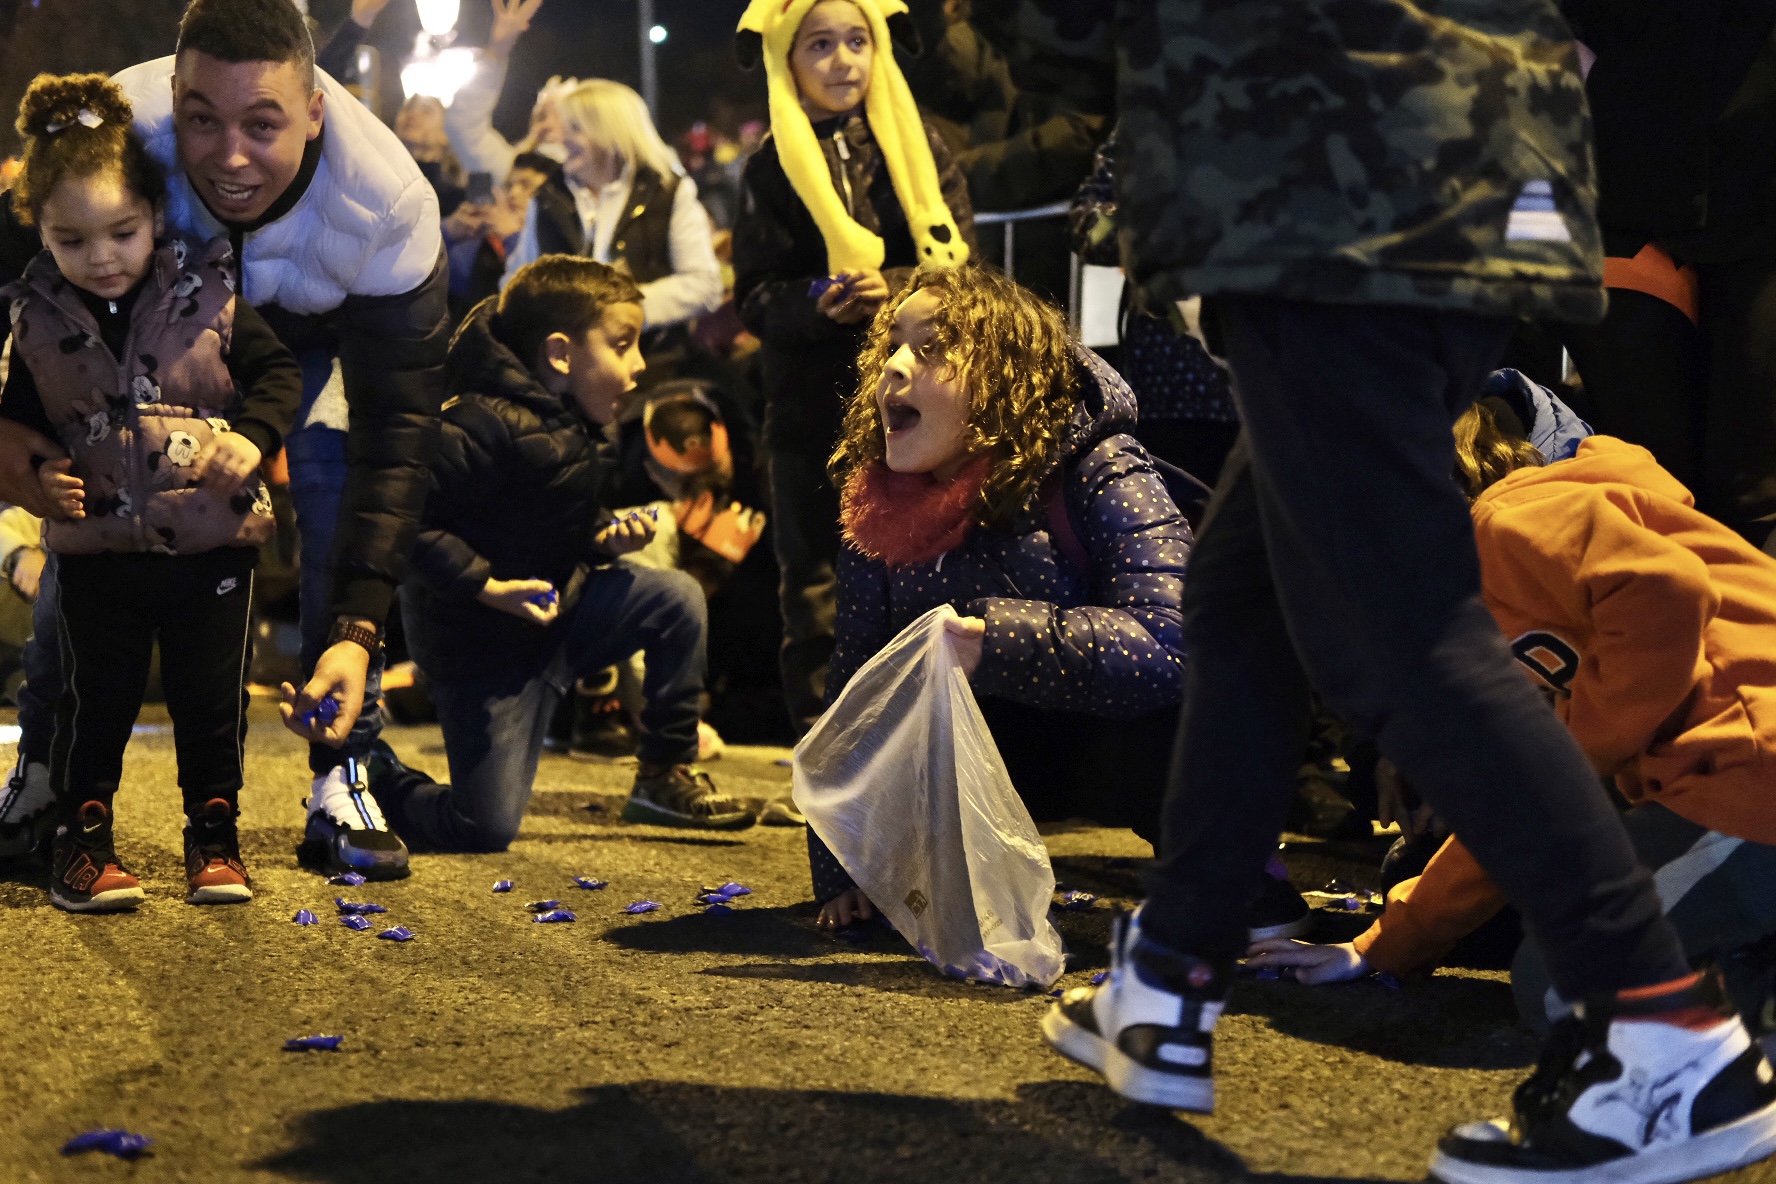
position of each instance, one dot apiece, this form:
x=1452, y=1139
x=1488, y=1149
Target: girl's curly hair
x=1005, y=346
x=1485, y=452
x=92, y=134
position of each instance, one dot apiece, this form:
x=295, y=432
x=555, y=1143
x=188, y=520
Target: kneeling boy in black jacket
x=515, y=593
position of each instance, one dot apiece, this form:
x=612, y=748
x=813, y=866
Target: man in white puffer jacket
x=339, y=246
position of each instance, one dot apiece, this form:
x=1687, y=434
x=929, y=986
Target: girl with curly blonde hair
x=985, y=463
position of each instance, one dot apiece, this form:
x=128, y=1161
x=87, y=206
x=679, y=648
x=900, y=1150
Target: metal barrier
x=1010, y=220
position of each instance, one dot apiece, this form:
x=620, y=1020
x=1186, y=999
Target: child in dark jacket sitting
x=985, y=463
x=516, y=593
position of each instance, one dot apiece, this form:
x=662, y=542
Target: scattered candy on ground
x=1074, y=901
x=348, y=879
x=502, y=885
x=353, y=921
x=543, y=906
x=588, y=883
x=304, y=917
x=398, y=933
x=120, y=1143
x=554, y=916
x=1098, y=978
x=718, y=909
x=349, y=907
x=313, y=1044
x=642, y=906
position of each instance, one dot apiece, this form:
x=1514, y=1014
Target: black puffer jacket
x=516, y=494
x=808, y=359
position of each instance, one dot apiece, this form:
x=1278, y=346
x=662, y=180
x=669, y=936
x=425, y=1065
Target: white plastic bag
x=901, y=779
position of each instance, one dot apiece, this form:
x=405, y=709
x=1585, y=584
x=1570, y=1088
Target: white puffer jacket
x=367, y=225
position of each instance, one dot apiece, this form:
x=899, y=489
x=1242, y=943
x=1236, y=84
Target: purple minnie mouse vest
x=135, y=424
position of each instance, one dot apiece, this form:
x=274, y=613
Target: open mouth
x=234, y=195
x=898, y=416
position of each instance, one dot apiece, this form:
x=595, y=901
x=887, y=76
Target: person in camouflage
x=1366, y=192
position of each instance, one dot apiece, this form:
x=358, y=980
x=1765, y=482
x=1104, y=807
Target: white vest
x=366, y=226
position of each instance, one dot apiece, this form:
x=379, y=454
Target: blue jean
x=1338, y=551
x=316, y=456
x=495, y=717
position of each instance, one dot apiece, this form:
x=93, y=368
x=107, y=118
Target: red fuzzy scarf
x=907, y=518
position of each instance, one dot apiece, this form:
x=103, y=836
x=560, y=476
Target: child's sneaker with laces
x=346, y=831
x=214, y=873
x=27, y=811
x=1148, y=1028
x=1622, y=1096
x=84, y=873
x=683, y=795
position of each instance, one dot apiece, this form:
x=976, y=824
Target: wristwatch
x=367, y=636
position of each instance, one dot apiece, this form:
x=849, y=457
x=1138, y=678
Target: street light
x=657, y=34
x=438, y=17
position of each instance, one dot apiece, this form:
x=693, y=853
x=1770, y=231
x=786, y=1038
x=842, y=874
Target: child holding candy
x=847, y=195
x=516, y=593
x=166, y=391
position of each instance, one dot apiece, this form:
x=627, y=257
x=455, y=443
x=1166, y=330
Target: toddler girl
x=167, y=391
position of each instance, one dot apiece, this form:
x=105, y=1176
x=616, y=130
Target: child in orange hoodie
x=1652, y=629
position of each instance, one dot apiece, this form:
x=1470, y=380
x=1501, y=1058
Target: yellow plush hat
x=768, y=29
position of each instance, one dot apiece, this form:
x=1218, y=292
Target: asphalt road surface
x=672, y=1046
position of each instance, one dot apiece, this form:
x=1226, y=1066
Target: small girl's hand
x=66, y=493
x=528, y=600
x=1312, y=964
x=225, y=463
x=627, y=534
x=967, y=634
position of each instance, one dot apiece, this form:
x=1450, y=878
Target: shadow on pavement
x=656, y=1131
x=786, y=932
x=904, y=976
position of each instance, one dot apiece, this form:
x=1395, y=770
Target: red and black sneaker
x=214, y=873
x=84, y=874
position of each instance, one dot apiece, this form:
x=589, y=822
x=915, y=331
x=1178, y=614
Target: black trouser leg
x=205, y=647
x=1347, y=412
x=805, y=530
x=104, y=636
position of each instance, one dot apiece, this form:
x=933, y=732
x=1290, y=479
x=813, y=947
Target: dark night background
x=583, y=38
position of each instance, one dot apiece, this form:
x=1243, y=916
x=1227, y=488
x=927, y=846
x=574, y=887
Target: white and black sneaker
x=1278, y=911
x=27, y=820
x=346, y=831
x=1622, y=1098
x=1148, y=1028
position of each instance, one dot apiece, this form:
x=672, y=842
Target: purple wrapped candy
x=543, y=906
x=346, y=879
x=718, y=909
x=350, y=908
x=589, y=884
x=353, y=921
x=324, y=713
x=120, y=1143
x=304, y=917
x=398, y=933
x=642, y=906
x=313, y=1044
x=733, y=888
x=1350, y=904
x=544, y=599
x=502, y=885
x=1099, y=977
x=555, y=917
x=1076, y=902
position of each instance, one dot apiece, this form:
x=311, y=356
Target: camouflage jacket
x=1435, y=153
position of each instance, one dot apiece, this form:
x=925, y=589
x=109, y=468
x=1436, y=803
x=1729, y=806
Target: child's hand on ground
x=627, y=534
x=1312, y=964
x=66, y=493
x=225, y=463
x=844, y=909
x=967, y=634
x=528, y=600
x=733, y=532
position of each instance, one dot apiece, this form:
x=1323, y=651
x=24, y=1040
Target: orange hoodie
x=1653, y=629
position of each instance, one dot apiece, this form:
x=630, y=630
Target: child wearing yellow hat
x=847, y=196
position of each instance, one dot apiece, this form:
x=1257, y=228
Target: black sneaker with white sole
x=1279, y=911
x=684, y=795
x=1620, y=1097
x=1148, y=1028
x=346, y=831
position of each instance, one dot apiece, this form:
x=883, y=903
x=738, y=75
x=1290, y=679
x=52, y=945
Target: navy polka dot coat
x=1103, y=639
